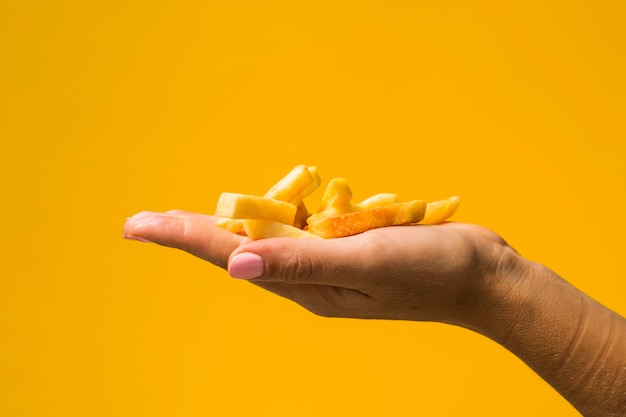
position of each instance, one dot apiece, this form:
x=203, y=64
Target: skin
x=453, y=273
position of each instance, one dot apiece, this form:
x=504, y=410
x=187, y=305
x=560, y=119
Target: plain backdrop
x=110, y=108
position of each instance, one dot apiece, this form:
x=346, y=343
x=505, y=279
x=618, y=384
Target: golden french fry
x=338, y=202
x=313, y=186
x=292, y=185
x=243, y=206
x=376, y=200
x=301, y=215
x=348, y=224
x=264, y=229
x=337, y=196
x=335, y=201
x=281, y=212
x=232, y=225
x=440, y=211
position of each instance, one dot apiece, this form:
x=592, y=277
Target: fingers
x=335, y=262
x=191, y=232
x=362, y=261
x=284, y=266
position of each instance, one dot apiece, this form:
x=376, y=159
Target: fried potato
x=232, y=225
x=337, y=196
x=313, y=186
x=376, y=200
x=264, y=229
x=293, y=186
x=348, y=224
x=335, y=201
x=302, y=213
x=440, y=211
x=243, y=206
x=282, y=212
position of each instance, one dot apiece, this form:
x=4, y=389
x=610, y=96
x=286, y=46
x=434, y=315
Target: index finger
x=194, y=233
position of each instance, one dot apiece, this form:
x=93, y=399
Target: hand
x=453, y=273
x=436, y=273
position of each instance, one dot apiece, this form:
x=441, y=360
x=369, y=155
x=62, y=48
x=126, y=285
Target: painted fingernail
x=246, y=266
x=137, y=238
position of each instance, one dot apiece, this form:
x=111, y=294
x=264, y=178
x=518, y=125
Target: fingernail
x=137, y=238
x=246, y=266
x=140, y=215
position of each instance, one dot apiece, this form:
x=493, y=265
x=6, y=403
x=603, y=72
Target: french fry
x=232, y=225
x=376, y=200
x=265, y=229
x=335, y=201
x=315, y=176
x=349, y=224
x=301, y=215
x=440, y=211
x=281, y=212
x=293, y=185
x=337, y=196
x=243, y=206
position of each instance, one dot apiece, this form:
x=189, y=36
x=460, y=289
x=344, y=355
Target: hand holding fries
x=454, y=273
x=281, y=212
x=417, y=273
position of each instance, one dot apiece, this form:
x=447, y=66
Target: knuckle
x=297, y=269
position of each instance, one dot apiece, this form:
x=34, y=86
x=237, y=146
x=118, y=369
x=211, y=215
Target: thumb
x=299, y=261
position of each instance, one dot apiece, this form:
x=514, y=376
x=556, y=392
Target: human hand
x=452, y=273
x=442, y=273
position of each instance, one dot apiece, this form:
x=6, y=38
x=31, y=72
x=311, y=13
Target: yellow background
x=110, y=108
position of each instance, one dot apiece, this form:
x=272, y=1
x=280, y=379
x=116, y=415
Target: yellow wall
x=109, y=109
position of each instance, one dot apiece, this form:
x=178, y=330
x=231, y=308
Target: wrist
x=501, y=295
x=570, y=340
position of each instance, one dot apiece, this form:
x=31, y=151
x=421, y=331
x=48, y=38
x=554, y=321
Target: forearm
x=577, y=345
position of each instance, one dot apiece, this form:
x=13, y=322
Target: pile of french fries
x=281, y=212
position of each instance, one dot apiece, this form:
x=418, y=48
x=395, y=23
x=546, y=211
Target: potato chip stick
x=292, y=186
x=302, y=214
x=312, y=187
x=336, y=200
x=376, y=200
x=232, y=225
x=282, y=212
x=440, y=211
x=337, y=196
x=243, y=206
x=360, y=221
x=265, y=229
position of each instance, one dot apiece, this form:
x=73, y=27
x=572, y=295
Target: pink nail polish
x=246, y=266
x=137, y=238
